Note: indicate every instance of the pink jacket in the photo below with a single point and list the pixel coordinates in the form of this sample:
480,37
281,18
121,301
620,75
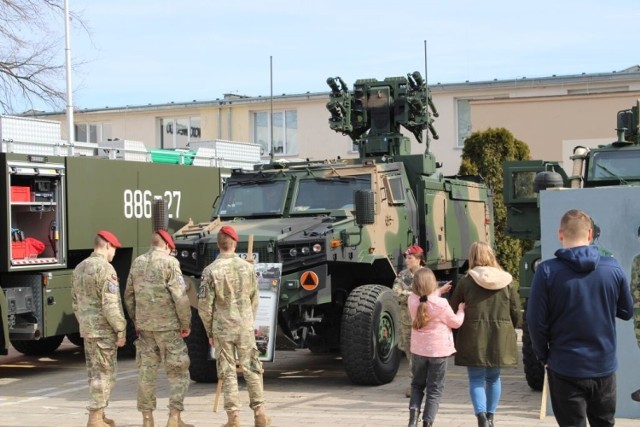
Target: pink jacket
435,339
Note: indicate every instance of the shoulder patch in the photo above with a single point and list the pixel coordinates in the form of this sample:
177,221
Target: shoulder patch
114,277
202,292
181,281
113,288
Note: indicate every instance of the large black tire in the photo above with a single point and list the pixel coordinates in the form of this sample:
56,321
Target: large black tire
368,341
533,369
40,347
76,339
202,368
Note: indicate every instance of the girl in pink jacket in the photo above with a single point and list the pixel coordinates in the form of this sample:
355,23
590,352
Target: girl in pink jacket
431,343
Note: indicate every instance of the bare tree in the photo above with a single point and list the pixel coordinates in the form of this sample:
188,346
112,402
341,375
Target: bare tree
32,54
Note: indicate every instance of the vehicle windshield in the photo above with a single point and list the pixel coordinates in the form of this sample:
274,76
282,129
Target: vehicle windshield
322,194
253,198
621,165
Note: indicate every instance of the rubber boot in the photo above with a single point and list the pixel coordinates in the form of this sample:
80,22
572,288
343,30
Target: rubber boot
490,419
233,420
174,419
482,419
108,420
414,414
95,418
260,418
147,419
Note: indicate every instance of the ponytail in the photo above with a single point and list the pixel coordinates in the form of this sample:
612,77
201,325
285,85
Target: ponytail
422,317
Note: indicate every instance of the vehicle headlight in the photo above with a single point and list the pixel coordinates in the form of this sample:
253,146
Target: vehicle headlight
305,250
184,253
194,255
317,248
535,265
293,252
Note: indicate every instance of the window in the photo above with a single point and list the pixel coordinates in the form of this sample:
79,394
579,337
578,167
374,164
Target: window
285,132
463,121
92,132
395,188
178,132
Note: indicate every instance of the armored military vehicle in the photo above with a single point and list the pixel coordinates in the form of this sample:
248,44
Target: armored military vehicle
56,199
339,227
612,165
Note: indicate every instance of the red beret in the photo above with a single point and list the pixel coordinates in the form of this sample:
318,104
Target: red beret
229,231
414,250
109,237
167,238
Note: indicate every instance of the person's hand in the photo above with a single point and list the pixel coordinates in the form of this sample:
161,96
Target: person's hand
445,288
211,343
137,332
121,342
185,332
461,306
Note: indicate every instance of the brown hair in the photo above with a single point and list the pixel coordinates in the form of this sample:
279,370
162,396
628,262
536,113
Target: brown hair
424,283
575,224
481,255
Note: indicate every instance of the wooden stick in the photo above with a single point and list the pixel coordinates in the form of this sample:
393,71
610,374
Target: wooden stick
250,250
545,393
217,399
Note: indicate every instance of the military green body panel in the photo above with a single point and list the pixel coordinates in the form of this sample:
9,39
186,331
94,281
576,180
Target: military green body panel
118,196
58,315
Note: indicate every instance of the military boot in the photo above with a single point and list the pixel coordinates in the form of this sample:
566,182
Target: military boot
147,419
174,419
95,418
260,418
108,420
413,417
233,420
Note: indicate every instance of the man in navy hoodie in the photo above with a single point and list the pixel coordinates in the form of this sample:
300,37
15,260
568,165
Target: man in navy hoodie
574,301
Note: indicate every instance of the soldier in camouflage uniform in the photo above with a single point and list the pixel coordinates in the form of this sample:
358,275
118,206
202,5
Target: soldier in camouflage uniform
413,259
635,290
156,300
227,304
97,306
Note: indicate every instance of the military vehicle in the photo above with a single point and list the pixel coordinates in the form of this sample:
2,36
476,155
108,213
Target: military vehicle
616,164
56,200
339,228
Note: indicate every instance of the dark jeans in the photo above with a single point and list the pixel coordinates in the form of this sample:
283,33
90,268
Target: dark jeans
428,373
574,400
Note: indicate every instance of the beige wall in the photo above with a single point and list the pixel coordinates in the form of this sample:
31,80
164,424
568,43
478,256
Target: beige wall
544,113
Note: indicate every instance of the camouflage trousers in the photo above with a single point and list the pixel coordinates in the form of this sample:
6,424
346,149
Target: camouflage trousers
636,310
100,356
404,335
243,345
161,347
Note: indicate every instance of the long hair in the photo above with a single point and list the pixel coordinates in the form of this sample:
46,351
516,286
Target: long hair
424,283
481,255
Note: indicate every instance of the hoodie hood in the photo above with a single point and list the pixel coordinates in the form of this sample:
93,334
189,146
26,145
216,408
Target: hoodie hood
581,259
491,278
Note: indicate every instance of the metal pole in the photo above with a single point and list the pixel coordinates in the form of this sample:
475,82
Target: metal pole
271,113
427,140
67,50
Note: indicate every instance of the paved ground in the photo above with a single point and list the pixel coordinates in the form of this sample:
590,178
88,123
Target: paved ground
301,389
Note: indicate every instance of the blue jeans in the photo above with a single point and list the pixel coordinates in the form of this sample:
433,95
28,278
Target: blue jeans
428,373
484,388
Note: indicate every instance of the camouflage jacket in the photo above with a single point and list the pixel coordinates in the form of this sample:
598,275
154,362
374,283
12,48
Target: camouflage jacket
155,295
95,297
228,295
402,286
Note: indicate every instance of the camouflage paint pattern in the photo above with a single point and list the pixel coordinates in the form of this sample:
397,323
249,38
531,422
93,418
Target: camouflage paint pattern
227,304
156,300
154,348
95,296
402,289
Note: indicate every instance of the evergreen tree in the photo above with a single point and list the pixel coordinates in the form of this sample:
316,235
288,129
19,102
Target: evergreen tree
483,154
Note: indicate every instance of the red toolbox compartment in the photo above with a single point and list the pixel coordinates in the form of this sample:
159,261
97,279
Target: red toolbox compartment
20,193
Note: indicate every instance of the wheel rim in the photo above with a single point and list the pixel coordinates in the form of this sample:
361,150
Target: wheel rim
386,334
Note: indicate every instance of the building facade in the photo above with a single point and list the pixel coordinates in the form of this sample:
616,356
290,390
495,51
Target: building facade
550,114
